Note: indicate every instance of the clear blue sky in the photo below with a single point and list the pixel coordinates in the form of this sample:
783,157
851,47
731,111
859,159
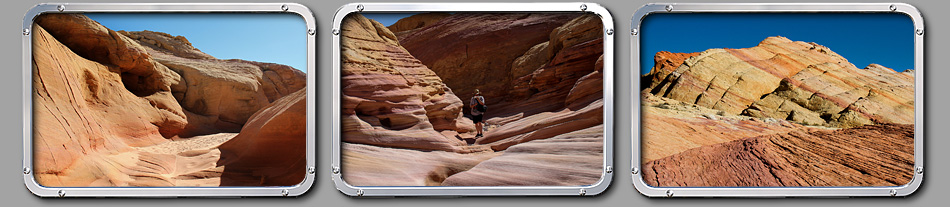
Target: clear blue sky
387,18
263,37
883,38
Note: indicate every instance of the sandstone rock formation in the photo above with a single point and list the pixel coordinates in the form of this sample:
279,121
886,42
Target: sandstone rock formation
874,155
257,155
391,99
449,48
108,111
782,79
782,113
412,23
403,125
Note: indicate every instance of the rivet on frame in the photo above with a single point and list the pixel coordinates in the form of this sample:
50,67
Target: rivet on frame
583,192
284,192
920,31
26,31
893,192
920,170
610,169
669,7
61,7
62,193
359,7
583,7
336,31
310,170
610,31
634,31
359,192
893,7
335,170
284,7
635,170
311,31
669,193
26,170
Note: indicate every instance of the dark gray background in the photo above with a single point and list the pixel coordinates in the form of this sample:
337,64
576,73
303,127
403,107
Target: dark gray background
621,193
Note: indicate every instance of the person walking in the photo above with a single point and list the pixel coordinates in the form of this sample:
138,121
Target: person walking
478,106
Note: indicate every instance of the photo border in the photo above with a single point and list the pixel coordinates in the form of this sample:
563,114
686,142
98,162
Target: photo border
901,8
587,190
43,191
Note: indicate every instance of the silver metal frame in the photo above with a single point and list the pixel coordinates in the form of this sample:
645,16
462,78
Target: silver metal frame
902,190
44,191
593,189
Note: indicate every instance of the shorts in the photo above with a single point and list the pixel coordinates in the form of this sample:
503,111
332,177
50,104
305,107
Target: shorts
477,118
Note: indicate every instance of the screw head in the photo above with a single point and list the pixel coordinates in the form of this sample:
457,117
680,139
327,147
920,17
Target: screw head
335,170
893,7
920,31
26,31
636,170
583,192
634,31
284,192
609,169
583,7
669,193
669,7
311,32
61,7
359,7
610,31
893,192
310,170
61,193
920,170
359,192
284,7
26,171
336,31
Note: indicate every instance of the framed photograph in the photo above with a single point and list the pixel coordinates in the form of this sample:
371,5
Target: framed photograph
472,99
776,100
167,100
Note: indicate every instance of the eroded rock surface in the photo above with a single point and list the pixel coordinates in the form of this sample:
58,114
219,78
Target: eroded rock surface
109,112
874,155
783,79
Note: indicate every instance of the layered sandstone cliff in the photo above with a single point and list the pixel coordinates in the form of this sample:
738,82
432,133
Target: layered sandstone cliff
783,79
782,113
403,125
108,111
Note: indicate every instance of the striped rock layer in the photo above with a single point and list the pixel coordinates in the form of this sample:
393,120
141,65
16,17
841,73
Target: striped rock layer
802,82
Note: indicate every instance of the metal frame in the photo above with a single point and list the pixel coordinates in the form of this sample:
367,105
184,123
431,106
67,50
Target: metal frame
902,190
594,189
44,191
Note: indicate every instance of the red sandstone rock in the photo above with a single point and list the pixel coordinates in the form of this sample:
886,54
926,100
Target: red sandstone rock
271,147
874,155
391,99
412,23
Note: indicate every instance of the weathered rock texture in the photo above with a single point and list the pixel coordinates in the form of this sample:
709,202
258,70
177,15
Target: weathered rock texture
403,126
412,23
803,82
391,99
874,155
108,112
478,51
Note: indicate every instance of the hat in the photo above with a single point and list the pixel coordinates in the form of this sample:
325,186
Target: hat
477,92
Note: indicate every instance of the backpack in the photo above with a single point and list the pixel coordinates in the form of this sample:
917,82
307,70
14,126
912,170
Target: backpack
480,106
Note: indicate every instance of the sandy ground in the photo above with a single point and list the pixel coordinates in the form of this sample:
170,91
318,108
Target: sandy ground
178,145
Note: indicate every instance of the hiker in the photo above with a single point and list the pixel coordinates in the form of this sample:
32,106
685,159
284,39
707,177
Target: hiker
477,104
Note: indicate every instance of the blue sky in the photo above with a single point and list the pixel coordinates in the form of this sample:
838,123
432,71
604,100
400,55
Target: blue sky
263,37
882,38
387,18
